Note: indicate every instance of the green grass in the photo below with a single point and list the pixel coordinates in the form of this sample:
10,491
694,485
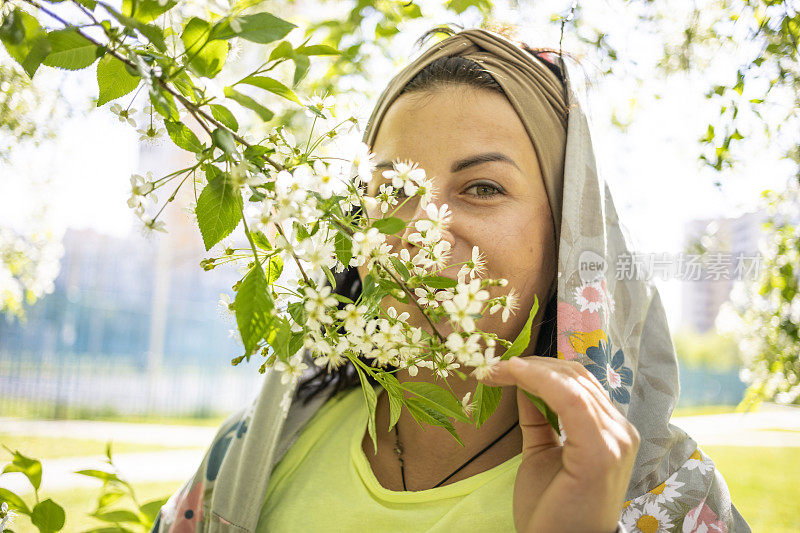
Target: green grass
55,447
38,409
763,484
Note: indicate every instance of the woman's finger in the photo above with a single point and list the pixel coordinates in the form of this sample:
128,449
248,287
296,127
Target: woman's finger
579,372
582,415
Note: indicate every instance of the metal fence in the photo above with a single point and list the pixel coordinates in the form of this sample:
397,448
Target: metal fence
82,387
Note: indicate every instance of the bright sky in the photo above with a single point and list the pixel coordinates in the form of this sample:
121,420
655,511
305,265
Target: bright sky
652,167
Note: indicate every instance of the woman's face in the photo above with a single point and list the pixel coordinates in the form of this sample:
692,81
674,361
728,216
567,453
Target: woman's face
474,147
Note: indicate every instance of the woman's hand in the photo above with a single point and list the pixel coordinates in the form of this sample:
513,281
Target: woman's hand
581,486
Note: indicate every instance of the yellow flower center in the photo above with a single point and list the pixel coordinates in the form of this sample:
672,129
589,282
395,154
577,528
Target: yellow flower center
659,489
647,524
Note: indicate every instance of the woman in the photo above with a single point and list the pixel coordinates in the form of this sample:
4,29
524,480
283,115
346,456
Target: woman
499,127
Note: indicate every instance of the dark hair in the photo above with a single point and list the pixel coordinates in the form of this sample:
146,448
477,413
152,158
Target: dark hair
442,72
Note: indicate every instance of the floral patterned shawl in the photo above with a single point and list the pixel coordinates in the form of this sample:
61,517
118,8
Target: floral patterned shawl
609,318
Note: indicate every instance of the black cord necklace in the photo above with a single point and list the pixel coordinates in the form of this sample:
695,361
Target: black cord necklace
399,450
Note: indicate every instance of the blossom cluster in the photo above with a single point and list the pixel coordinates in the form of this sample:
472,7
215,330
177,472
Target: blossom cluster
318,212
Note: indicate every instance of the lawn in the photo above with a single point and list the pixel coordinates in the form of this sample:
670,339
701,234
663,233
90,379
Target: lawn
40,410
57,447
763,483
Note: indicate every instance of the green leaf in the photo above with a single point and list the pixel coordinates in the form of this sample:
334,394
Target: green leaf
439,282
274,268
395,406
117,515
183,137
12,30
298,312
99,474
113,80
459,6
344,248
14,501
25,40
253,305
395,394
317,50
260,28
164,104
282,49
423,413
301,64
437,398
224,116
245,101
486,401
31,468
107,498
223,139
151,508
219,207
524,338
329,275
400,267
549,414
261,240
39,49
152,33
204,56
390,225
372,402
273,86
70,51
145,10
48,516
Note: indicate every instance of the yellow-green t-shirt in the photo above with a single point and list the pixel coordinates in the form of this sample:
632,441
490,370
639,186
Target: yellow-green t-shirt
324,482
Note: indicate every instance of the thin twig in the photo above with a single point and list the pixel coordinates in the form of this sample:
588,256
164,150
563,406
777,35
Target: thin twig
296,259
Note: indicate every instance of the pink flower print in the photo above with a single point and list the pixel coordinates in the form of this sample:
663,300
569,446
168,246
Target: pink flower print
590,296
576,330
190,511
703,519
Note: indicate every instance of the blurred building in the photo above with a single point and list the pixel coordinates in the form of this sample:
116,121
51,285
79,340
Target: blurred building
737,241
133,325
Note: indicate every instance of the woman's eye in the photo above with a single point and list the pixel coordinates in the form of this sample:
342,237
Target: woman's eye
485,190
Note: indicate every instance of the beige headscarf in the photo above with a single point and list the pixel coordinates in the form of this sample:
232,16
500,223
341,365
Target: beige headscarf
534,91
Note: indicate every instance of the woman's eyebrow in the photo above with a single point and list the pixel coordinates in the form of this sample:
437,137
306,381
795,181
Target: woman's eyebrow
464,163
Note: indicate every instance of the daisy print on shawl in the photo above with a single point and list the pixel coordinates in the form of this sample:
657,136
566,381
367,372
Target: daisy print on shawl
649,518
610,371
696,461
667,491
